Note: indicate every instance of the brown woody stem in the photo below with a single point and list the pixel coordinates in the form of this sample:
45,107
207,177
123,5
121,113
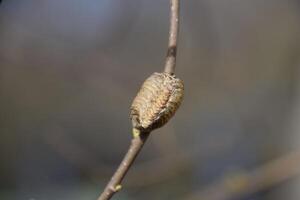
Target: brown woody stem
173,35
114,184
139,139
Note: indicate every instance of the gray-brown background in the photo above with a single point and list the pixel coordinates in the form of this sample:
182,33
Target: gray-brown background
69,70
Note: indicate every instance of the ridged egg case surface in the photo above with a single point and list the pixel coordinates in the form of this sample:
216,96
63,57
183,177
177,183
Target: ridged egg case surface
157,101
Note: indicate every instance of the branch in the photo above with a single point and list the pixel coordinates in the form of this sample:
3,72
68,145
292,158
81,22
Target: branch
173,35
114,184
140,137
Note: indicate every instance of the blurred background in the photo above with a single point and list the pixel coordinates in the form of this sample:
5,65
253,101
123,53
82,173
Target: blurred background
69,70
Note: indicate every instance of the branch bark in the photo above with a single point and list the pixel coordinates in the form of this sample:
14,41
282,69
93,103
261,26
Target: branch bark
140,138
114,184
173,35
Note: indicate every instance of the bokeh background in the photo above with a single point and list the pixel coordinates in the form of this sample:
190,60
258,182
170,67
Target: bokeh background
69,70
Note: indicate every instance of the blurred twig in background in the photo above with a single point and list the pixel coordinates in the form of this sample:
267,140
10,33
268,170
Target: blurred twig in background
242,184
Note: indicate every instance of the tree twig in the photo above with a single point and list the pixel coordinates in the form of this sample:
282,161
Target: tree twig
114,184
173,35
140,138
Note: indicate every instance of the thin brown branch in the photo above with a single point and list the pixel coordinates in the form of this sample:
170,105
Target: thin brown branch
173,35
139,139
114,184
